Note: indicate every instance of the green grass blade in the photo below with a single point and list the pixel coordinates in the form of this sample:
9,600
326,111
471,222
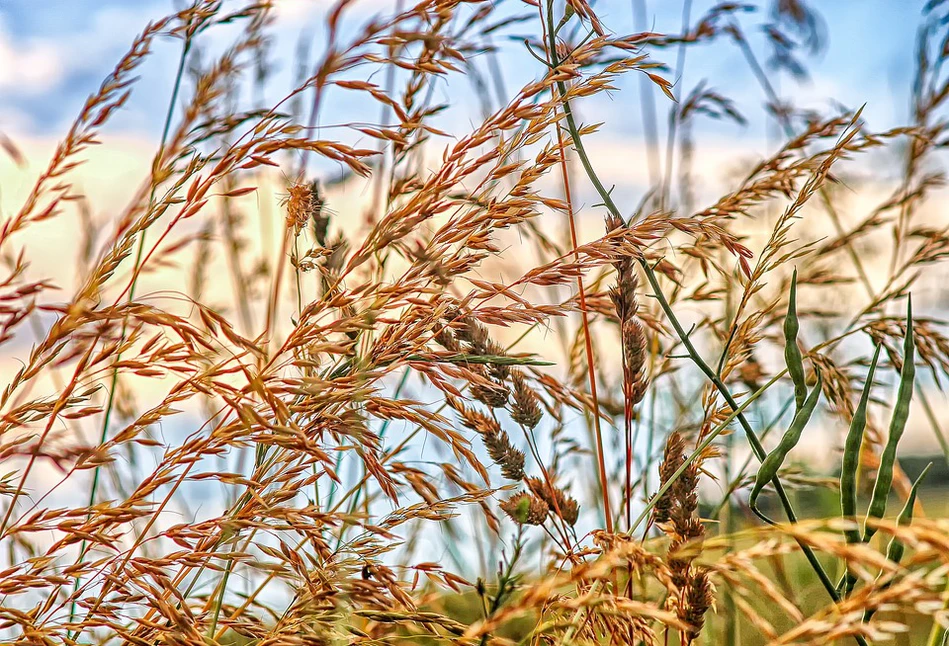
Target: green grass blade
896,548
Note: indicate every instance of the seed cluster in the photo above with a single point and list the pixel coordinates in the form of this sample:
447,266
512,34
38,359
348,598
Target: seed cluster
381,409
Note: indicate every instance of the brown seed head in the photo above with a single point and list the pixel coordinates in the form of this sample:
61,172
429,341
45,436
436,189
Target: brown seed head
673,457
525,509
303,204
493,395
632,335
496,441
558,501
525,408
697,599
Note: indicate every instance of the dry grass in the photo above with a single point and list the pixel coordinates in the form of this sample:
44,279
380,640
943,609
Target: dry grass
360,395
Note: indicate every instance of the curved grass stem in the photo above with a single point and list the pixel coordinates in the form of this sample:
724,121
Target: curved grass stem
587,341
696,358
114,377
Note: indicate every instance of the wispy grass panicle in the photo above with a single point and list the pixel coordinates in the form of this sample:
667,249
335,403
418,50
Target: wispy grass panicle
255,419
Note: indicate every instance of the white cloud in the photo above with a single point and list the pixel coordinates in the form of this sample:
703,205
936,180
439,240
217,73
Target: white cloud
28,67
41,62
294,13
109,34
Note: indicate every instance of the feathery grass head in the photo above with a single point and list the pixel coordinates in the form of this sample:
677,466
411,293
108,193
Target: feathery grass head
275,420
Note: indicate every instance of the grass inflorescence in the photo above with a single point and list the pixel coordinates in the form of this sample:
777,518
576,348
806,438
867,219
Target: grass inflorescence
400,380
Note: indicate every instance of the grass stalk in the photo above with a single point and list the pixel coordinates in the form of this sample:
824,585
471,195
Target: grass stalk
587,341
686,341
140,248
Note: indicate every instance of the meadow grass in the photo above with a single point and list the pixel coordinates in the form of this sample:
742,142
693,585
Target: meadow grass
449,410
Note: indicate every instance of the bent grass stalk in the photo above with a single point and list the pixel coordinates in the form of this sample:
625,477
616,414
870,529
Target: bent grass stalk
587,340
683,336
114,379
703,445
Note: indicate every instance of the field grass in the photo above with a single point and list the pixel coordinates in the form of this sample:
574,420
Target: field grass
424,378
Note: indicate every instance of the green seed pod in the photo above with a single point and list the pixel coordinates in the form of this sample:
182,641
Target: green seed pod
770,465
881,489
894,552
792,353
848,470
851,458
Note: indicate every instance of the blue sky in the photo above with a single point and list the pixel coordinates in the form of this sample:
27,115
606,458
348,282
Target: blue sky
61,49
